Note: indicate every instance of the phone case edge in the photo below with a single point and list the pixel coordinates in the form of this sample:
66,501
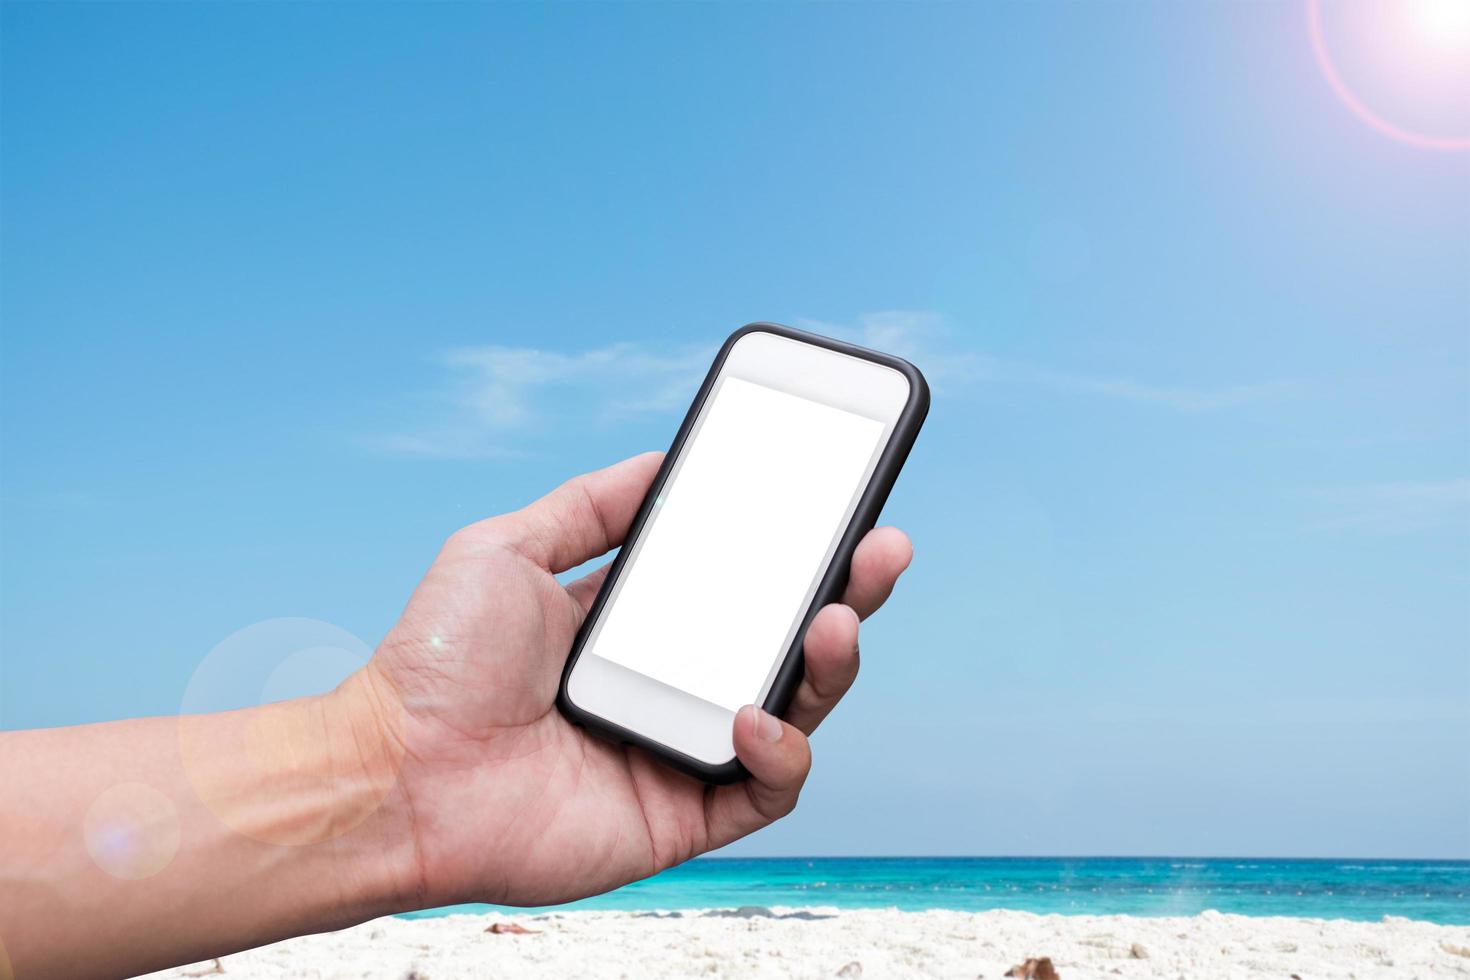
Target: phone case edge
864,517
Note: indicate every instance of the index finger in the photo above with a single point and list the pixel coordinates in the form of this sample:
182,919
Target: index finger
585,517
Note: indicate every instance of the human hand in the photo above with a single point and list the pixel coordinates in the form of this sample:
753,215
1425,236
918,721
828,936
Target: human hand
440,772
507,801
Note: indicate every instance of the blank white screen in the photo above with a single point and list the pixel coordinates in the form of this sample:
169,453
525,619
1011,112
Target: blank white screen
736,541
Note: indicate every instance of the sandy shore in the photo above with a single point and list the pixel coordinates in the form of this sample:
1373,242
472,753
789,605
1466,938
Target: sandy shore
885,943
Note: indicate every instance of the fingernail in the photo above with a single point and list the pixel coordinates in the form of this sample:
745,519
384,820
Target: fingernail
767,728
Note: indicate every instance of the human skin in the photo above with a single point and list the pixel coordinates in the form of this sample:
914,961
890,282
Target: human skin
440,772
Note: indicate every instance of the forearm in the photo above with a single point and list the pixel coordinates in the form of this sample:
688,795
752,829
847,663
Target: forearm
134,845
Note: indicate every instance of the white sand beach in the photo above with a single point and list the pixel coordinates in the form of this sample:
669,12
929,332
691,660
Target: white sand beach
816,942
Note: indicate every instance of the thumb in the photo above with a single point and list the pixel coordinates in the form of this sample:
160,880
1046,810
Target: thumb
778,758
585,517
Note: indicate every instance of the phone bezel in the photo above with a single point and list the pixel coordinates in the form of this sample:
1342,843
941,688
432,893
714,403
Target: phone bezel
665,714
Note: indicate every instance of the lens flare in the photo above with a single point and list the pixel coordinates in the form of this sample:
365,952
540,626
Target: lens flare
1441,29
132,831
1443,23
330,761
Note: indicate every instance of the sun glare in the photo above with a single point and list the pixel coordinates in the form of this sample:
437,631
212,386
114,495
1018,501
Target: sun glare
1437,33
1444,23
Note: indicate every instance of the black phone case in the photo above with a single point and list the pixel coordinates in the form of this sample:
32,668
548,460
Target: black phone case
834,580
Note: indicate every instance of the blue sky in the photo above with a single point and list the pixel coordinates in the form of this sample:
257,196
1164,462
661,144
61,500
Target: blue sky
292,291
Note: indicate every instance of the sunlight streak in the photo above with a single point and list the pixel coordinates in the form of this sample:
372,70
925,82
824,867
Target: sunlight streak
1443,24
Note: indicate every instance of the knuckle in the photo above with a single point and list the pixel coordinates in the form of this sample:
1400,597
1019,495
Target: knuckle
476,538
461,540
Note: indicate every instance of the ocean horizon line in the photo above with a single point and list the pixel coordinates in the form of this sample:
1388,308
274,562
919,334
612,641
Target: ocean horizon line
1080,857
1363,889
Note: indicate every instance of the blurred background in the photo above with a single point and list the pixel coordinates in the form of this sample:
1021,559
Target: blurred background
291,291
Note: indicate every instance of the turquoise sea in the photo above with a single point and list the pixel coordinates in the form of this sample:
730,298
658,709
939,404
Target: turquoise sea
1437,891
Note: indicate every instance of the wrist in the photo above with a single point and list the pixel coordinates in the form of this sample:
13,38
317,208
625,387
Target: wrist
316,781
377,854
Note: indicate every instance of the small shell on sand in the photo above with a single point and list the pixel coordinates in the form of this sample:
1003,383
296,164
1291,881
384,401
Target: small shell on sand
1035,968
511,929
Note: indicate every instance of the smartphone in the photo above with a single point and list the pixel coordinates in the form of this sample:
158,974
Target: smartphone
780,467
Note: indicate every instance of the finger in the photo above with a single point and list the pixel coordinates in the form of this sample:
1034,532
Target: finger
778,758
585,517
880,558
831,650
584,589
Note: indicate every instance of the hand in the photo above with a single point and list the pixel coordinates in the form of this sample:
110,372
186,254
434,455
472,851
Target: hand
510,803
441,772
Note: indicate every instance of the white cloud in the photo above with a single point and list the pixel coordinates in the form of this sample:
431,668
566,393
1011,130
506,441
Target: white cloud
924,338
494,396
928,340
